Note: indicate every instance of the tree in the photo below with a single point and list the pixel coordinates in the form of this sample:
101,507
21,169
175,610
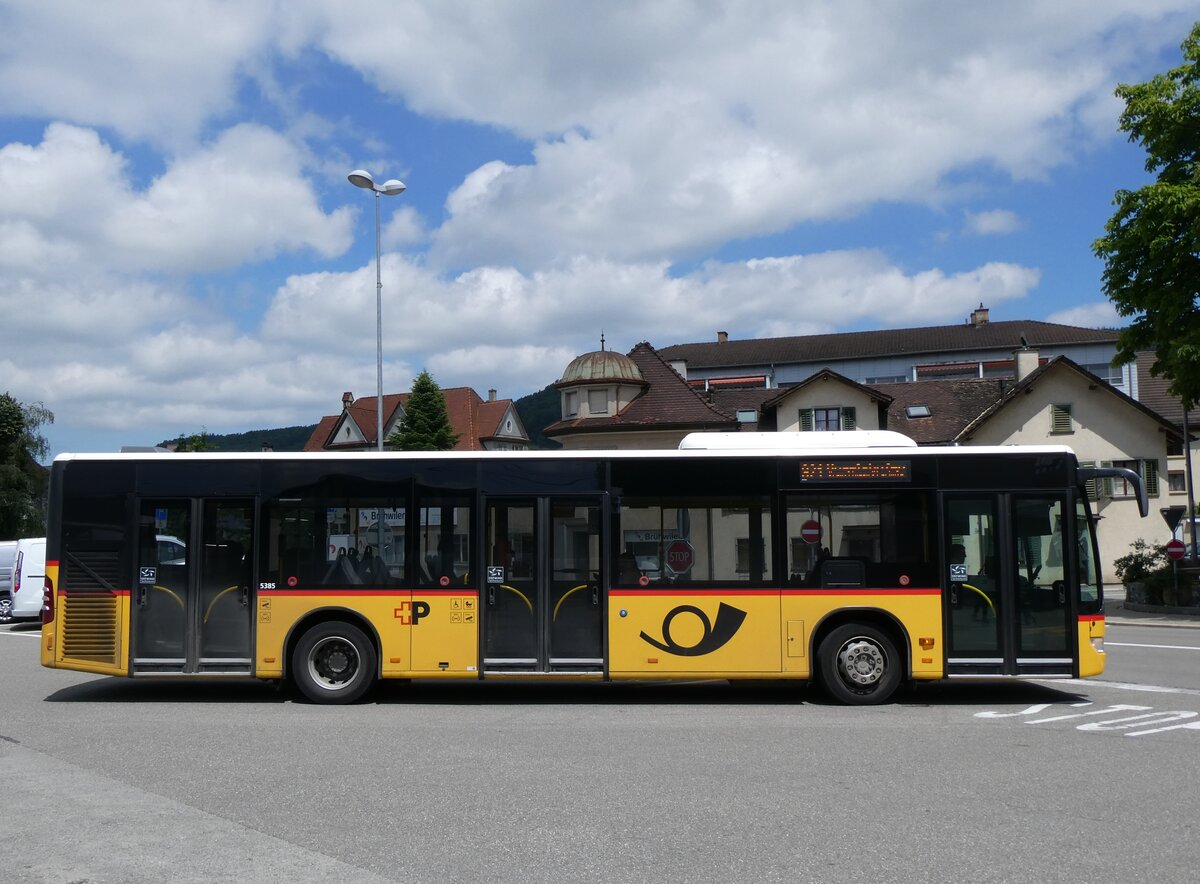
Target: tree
195,442
22,479
425,425
1151,248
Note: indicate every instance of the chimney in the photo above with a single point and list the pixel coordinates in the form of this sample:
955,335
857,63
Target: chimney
722,337
347,399
491,395
1026,362
979,316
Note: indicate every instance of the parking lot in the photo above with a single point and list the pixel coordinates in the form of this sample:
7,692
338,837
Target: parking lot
119,780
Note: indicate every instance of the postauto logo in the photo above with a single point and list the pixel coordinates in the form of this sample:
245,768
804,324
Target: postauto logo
715,635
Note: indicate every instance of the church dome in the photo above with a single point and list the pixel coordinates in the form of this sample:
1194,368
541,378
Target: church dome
599,366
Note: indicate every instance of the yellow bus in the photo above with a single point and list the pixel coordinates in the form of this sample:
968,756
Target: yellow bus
856,560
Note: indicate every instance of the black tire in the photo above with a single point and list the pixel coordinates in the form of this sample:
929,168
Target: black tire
334,663
858,665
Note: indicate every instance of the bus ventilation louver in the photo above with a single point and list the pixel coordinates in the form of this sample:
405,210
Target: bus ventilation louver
89,628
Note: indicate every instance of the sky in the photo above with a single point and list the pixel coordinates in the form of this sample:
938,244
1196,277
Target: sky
181,250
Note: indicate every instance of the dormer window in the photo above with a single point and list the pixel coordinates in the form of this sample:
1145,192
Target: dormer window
571,404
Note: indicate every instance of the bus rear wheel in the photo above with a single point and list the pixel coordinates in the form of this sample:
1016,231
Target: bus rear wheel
334,663
859,665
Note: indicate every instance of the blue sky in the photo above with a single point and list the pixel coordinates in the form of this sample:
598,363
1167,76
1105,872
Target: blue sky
180,248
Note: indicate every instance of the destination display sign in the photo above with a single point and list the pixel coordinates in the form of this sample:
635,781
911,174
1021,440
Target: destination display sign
862,470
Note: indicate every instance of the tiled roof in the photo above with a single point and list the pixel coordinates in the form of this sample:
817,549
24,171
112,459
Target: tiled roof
471,417
952,406
321,433
884,342
667,403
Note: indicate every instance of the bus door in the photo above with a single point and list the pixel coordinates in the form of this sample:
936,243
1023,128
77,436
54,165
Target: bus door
192,603
541,594
1010,567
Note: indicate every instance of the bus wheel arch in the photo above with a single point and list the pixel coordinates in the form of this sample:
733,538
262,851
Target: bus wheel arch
861,657
333,657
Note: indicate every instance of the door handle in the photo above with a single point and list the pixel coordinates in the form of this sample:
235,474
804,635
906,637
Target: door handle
141,596
244,594
491,596
596,594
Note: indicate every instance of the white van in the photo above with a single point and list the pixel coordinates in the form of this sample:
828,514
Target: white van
8,553
29,578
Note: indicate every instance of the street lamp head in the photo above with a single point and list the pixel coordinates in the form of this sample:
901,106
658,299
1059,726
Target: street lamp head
362,178
392,187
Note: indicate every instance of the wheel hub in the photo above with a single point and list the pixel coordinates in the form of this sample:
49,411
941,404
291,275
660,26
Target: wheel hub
862,662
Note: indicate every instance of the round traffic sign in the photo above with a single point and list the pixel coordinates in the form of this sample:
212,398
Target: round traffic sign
1176,549
810,531
680,557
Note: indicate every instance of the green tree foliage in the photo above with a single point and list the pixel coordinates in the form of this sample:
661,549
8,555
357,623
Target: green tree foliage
195,442
538,411
425,425
1151,247
22,479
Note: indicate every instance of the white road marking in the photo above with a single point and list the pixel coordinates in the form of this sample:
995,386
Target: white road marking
1122,686
1109,644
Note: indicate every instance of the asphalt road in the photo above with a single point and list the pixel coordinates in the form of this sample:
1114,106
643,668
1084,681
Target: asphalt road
107,780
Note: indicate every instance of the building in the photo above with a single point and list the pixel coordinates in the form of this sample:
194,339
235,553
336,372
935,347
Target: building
642,401
482,425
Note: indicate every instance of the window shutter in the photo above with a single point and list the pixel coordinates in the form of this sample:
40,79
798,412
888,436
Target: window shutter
1150,475
1106,484
848,417
1060,419
1093,490
806,420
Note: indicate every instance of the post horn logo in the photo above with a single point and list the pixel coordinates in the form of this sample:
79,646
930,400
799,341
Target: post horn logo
729,619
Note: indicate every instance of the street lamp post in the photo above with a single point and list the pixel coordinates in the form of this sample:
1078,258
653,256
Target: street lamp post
363,179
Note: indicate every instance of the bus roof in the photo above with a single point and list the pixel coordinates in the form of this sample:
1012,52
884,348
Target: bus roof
868,443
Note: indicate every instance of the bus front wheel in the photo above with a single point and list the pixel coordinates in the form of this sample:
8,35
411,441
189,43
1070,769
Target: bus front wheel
333,663
859,665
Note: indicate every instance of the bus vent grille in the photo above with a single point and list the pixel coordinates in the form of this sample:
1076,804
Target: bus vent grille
89,628
85,570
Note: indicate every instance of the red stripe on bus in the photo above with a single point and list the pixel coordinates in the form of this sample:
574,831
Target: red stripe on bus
694,592
341,593
760,592
1090,618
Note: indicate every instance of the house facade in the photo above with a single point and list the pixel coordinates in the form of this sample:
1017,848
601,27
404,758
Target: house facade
1042,400
482,425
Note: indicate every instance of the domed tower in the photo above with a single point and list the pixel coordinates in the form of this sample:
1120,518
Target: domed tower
599,384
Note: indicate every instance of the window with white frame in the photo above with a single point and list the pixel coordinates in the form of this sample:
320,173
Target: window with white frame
1177,482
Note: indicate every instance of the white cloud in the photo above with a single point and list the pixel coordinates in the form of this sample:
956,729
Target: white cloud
992,223
1098,314
242,198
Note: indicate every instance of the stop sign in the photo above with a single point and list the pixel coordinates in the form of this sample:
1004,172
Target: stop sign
680,557
810,531
1176,549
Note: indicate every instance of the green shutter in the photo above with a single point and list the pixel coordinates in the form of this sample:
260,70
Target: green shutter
1060,419
806,420
848,417
1093,491
1150,475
